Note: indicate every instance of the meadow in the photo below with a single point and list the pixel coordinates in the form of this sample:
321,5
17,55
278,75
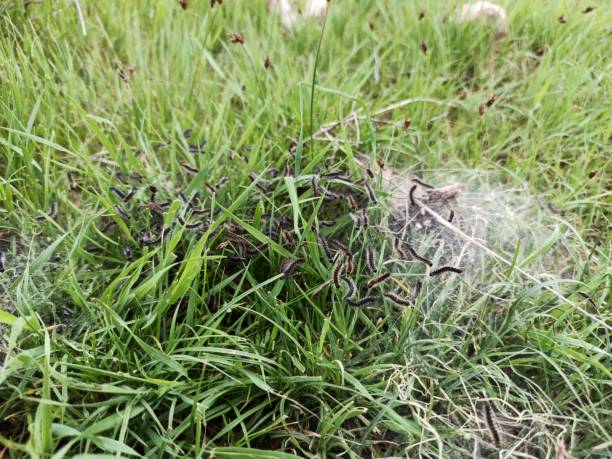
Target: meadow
180,188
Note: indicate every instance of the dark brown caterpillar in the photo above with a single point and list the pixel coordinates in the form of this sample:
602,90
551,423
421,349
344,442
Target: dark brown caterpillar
258,183
419,257
222,182
153,191
72,184
350,199
53,210
370,260
189,225
350,264
366,301
330,195
445,269
397,247
423,184
371,194
286,236
210,188
360,219
423,47
185,200
337,273
129,195
122,212
339,245
108,226
411,194
326,249
351,288
589,299
376,281
451,216
370,173
365,219
398,299
331,175
120,194
188,167
492,426
315,188
288,265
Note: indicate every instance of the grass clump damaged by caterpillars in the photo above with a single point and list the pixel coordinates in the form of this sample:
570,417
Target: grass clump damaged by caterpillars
209,249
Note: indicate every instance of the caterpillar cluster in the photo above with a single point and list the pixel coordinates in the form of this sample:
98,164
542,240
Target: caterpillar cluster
137,219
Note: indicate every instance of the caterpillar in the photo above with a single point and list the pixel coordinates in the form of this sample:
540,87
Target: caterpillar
376,281
444,269
120,194
419,257
423,184
210,188
370,192
397,246
350,264
153,191
188,167
53,210
73,185
492,426
365,219
339,245
451,216
288,265
370,259
350,286
108,226
331,175
255,250
411,194
189,225
197,148
122,212
315,188
366,301
129,195
370,173
337,273
185,200
352,203
325,246
330,195
397,299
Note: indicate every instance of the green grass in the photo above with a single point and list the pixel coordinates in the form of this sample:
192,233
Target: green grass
104,355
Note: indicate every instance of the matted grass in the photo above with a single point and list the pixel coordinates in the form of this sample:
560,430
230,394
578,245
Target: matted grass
178,351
